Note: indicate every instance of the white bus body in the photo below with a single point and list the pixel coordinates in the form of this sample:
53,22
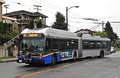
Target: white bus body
58,45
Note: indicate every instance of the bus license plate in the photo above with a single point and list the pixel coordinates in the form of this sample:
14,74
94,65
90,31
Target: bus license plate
20,61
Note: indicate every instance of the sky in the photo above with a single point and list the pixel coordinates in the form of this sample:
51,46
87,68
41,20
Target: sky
103,10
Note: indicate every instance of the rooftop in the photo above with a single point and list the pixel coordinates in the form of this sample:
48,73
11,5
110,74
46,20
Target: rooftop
8,18
2,1
26,13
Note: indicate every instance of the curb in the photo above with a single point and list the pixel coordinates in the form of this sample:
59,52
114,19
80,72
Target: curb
8,60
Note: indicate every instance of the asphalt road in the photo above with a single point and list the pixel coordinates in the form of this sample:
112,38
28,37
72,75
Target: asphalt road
108,67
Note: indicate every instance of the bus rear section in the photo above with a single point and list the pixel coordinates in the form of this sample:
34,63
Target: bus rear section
94,46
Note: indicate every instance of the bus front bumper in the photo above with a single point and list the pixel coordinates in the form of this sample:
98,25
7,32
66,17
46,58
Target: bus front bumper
28,61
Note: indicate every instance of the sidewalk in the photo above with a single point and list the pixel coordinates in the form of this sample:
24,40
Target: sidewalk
8,60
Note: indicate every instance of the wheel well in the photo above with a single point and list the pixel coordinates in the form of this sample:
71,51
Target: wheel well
75,53
55,55
101,54
101,51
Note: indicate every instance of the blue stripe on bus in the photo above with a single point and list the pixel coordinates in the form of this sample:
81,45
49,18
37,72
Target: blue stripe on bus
48,59
58,57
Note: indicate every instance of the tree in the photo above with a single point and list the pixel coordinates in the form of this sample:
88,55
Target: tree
110,34
31,24
102,34
6,32
39,24
118,43
1,28
60,22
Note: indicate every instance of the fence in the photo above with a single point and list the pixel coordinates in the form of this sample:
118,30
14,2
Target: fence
12,51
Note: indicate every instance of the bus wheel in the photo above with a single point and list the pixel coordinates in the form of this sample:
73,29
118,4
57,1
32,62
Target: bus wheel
75,57
101,54
53,60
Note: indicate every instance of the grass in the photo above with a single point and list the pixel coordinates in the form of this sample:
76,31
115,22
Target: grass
2,58
117,49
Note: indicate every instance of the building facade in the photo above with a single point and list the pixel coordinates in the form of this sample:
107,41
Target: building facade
23,18
1,2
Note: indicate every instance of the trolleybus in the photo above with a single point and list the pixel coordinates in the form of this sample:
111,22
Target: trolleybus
49,46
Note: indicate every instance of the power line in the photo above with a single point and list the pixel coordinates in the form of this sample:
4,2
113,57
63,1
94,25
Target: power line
46,4
19,3
55,7
51,6
94,27
27,5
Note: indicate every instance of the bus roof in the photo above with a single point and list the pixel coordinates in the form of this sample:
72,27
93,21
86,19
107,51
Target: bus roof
91,37
51,32
57,33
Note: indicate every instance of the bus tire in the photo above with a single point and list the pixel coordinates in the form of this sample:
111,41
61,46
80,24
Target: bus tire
53,60
75,57
101,54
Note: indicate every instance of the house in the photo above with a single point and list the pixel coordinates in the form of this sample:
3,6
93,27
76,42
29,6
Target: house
8,19
1,3
23,18
5,19
85,31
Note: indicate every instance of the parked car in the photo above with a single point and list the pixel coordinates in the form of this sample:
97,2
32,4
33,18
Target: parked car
113,50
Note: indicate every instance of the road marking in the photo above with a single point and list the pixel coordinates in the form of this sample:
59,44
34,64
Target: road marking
39,72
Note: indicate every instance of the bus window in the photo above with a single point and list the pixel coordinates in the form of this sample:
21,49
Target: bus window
62,44
92,44
109,45
99,44
55,44
48,44
68,44
85,44
74,44
105,45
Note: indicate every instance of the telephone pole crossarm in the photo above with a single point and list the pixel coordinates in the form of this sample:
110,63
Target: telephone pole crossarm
37,7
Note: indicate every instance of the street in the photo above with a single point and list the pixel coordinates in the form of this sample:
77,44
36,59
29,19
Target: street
107,67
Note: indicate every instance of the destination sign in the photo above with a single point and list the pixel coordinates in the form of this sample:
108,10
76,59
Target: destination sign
33,35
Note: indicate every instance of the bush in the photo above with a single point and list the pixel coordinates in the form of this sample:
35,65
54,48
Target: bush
6,32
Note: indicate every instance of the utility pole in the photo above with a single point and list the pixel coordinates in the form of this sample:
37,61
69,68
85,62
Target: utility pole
1,3
67,14
6,6
37,7
102,26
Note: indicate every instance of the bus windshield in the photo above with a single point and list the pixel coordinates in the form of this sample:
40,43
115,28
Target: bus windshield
32,44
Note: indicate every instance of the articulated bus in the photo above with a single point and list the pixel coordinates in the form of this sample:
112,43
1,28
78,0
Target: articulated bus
49,46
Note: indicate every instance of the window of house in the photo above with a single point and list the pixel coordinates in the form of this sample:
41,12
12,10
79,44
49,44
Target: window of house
26,17
19,17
